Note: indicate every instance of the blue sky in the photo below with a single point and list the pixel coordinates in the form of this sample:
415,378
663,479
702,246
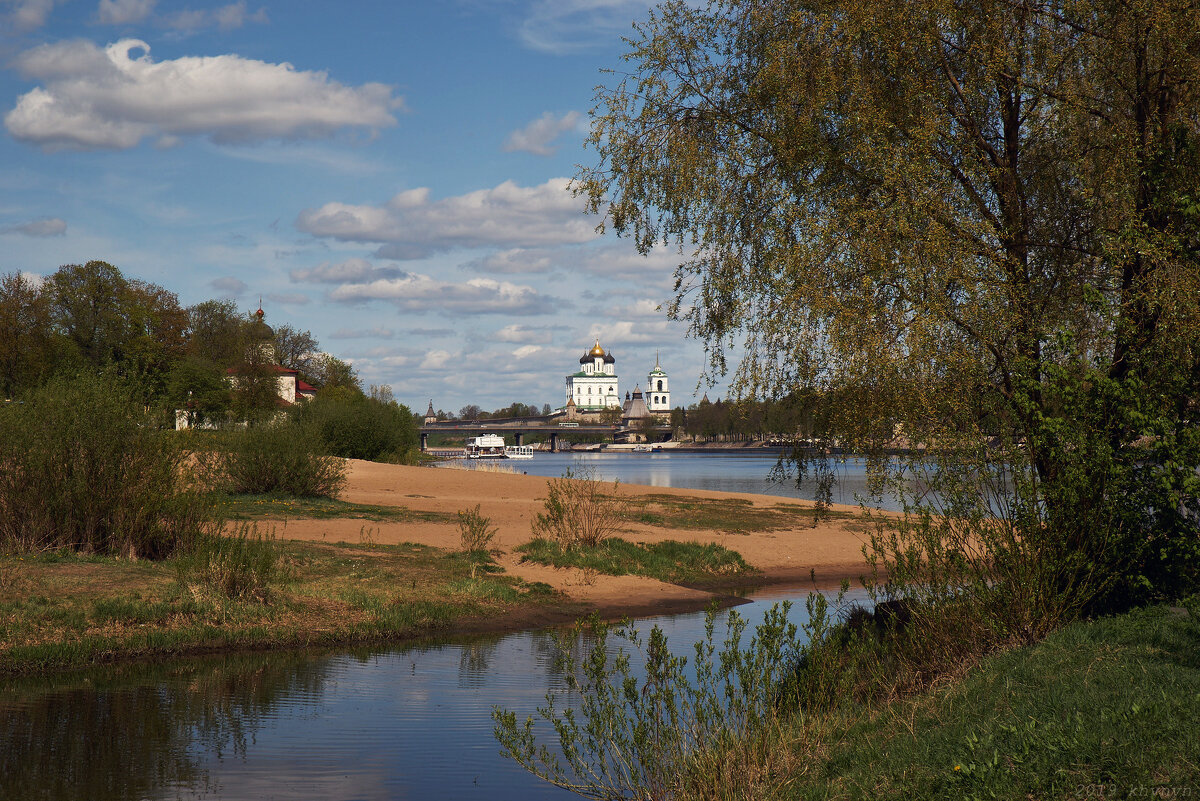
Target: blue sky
388,175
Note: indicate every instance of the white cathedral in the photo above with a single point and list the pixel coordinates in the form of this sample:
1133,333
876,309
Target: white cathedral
595,386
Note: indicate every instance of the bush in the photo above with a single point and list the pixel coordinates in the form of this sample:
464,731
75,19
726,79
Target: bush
355,427
274,458
82,468
578,512
474,530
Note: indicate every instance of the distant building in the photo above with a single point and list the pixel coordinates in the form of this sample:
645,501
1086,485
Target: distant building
430,414
658,389
595,386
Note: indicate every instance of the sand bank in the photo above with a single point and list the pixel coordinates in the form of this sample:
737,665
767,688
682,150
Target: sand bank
832,550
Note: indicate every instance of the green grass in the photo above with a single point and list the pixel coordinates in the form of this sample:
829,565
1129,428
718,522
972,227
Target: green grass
690,563
63,612
734,515
259,507
1107,709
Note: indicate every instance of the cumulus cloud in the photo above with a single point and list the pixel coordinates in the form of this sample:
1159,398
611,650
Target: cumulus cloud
115,97
512,260
507,215
229,285
123,12
27,15
628,331
415,292
50,226
351,271
538,136
524,335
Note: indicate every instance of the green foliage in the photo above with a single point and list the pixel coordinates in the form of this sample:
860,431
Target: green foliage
273,458
578,513
475,531
240,566
1097,710
355,427
646,729
670,560
82,468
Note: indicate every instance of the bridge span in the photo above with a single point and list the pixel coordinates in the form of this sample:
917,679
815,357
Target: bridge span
519,427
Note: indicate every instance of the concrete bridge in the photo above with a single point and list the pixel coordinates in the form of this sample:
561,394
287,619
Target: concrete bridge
520,426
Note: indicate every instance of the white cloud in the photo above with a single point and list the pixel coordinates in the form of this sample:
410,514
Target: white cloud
520,334
229,285
512,260
351,271
415,292
106,98
376,332
567,26
123,12
507,215
436,360
642,309
27,15
526,350
227,18
626,331
51,226
538,136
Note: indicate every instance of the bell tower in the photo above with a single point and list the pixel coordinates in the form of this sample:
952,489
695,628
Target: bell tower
658,389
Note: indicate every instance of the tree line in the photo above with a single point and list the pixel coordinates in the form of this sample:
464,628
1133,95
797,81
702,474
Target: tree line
93,318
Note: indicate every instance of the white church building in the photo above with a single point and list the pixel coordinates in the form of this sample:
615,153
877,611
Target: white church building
595,387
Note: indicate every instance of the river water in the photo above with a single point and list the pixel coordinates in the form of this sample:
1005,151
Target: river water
411,722
729,471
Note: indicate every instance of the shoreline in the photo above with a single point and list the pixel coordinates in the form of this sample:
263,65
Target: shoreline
357,556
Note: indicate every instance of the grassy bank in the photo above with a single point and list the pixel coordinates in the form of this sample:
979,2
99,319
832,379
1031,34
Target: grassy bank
689,563
62,611
1106,709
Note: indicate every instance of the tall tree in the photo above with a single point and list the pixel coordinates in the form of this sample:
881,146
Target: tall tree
26,348
943,212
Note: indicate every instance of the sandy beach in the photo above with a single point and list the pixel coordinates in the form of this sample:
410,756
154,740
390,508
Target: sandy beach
831,550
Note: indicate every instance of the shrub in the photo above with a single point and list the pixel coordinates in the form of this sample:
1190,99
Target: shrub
274,458
474,530
578,512
355,427
82,468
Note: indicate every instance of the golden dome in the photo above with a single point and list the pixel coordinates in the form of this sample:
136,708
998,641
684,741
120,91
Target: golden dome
597,350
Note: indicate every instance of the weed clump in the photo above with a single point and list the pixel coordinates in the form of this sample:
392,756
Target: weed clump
240,567
475,532
578,511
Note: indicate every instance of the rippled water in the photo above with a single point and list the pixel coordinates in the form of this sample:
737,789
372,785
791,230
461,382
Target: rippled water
409,722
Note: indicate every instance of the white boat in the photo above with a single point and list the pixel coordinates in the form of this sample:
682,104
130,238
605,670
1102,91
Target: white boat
491,446
488,446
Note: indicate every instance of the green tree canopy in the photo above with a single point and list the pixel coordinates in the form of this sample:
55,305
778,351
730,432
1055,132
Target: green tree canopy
967,218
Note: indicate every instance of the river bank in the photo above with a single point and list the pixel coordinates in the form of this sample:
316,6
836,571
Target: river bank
386,567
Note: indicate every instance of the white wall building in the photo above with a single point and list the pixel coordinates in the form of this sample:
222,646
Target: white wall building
595,386
658,389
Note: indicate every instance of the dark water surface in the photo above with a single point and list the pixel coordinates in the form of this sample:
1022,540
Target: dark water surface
409,722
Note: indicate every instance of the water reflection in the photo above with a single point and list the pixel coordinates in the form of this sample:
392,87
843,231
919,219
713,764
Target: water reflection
411,722
126,734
